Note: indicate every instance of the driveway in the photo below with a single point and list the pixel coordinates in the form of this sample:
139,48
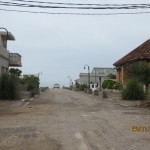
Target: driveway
68,120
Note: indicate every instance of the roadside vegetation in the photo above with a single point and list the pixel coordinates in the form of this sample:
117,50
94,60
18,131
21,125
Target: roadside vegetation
9,87
133,90
111,84
11,84
138,76
31,81
81,87
15,72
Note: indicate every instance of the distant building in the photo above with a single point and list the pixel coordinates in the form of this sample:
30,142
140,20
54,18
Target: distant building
97,76
141,53
76,81
7,59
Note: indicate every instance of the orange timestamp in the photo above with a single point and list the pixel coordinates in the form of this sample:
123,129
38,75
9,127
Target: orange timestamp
140,128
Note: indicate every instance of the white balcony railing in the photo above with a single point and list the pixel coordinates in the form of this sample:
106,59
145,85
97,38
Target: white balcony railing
15,60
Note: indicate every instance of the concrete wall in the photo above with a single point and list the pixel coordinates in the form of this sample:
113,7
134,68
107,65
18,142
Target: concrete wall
104,71
83,78
4,59
1,42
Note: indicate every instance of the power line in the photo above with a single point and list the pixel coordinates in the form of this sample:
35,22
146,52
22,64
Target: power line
29,1
70,7
85,14
28,4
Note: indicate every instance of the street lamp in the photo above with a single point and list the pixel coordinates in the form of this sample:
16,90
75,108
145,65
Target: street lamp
6,36
88,74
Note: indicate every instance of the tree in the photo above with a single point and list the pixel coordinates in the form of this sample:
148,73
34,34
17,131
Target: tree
112,76
31,81
15,71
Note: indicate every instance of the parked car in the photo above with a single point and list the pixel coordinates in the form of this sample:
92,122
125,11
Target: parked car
56,86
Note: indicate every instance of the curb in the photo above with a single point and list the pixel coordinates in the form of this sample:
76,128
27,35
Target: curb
28,100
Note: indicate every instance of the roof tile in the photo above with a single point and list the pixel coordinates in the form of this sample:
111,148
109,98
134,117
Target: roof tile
141,52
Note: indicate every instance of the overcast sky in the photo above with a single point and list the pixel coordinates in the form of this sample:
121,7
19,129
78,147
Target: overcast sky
60,45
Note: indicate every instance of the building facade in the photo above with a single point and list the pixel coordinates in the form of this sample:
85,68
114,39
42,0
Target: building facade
97,76
7,59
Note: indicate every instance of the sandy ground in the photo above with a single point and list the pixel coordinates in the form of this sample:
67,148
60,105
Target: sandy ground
68,120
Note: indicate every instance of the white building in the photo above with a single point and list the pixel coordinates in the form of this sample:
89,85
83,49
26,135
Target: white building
7,59
97,76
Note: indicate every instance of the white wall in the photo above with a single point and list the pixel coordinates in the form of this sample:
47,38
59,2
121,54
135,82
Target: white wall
4,58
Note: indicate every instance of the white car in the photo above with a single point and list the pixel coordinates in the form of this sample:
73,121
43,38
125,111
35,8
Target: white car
56,86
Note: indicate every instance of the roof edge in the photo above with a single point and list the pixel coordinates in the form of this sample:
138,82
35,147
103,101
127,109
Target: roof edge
10,35
119,63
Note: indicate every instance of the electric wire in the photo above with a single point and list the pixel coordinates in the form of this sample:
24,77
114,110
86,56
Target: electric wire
29,1
76,7
65,6
85,14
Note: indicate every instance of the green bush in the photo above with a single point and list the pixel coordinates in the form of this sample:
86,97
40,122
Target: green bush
31,81
9,87
77,85
112,76
82,87
110,84
133,91
117,86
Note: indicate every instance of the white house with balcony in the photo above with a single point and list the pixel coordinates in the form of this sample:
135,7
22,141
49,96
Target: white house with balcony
7,59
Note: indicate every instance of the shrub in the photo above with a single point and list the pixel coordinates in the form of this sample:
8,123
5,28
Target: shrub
117,86
9,87
140,70
110,84
112,76
31,81
133,91
82,87
77,85
15,71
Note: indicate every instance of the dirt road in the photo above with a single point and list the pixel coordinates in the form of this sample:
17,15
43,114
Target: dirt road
67,120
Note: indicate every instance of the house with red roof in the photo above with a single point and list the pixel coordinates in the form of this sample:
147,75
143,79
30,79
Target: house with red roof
141,53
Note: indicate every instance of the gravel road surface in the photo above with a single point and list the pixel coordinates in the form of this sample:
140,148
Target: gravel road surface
67,120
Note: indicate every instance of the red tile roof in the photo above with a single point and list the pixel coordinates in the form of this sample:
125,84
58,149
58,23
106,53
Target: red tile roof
141,52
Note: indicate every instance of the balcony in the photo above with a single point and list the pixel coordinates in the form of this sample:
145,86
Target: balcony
15,60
